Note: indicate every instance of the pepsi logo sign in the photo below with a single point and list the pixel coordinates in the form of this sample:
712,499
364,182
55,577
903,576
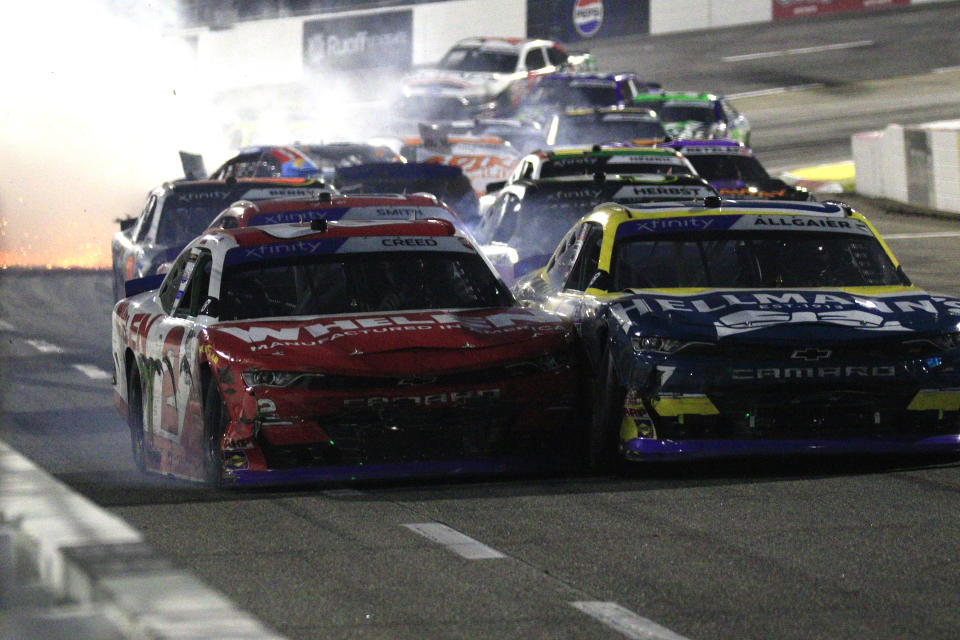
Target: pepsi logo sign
587,17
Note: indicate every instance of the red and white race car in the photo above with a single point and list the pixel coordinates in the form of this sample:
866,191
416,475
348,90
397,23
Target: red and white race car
336,350
477,71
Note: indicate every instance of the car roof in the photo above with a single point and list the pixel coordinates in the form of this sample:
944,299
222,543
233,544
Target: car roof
245,211
285,233
495,42
588,151
239,183
614,215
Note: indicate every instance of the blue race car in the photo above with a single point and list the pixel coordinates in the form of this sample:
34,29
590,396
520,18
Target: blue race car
735,328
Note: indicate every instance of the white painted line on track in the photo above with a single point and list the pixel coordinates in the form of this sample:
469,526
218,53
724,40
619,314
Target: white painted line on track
92,372
6,326
911,236
777,90
626,622
460,544
799,51
44,347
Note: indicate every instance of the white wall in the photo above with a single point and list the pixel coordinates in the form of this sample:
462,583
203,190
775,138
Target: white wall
668,16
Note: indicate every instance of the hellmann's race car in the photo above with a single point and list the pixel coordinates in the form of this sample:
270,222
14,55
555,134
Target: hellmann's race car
735,328
337,350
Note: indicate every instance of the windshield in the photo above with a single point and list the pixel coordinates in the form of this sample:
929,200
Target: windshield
589,130
683,112
724,167
358,283
181,222
751,259
584,95
477,59
621,165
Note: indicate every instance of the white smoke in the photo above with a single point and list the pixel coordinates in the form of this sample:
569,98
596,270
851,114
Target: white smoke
95,106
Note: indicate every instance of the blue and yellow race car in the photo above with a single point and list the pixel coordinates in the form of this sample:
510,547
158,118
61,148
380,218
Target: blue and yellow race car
724,328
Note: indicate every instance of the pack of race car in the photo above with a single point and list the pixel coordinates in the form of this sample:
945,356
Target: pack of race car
558,267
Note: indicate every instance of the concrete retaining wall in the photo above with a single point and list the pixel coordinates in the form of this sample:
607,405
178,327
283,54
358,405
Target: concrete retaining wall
917,165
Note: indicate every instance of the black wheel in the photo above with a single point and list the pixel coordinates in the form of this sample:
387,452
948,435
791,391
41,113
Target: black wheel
214,423
135,417
602,451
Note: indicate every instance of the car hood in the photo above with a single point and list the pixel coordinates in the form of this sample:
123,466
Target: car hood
785,315
400,342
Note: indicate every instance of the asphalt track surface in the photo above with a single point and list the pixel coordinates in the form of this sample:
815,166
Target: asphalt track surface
780,548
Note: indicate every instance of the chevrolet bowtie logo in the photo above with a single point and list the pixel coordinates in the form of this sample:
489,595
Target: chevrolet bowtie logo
811,355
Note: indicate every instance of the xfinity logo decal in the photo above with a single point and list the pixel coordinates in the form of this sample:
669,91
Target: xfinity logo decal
280,250
675,224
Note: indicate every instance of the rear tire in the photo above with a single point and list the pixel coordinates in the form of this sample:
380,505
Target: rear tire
135,417
602,452
214,424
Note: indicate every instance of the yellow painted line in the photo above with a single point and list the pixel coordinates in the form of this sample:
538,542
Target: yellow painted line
836,172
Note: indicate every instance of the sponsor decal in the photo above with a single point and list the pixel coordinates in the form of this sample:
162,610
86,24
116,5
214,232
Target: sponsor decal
442,399
358,42
766,309
319,333
194,196
646,159
576,194
798,8
661,191
285,192
409,242
803,373
587,17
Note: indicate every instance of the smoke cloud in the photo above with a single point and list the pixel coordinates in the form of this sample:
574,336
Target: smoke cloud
95,106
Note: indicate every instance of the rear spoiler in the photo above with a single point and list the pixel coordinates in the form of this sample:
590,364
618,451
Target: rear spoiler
192,164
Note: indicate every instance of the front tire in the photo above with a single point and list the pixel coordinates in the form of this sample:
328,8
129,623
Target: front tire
603,435
135,417
214,423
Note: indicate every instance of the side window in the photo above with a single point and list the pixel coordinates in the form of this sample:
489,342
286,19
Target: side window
561,264
508,218
195,291
171,284
534,59
728,111
627,90
146,219
556,56
588,259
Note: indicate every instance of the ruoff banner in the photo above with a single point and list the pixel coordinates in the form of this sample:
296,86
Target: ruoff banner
800,8
378,40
